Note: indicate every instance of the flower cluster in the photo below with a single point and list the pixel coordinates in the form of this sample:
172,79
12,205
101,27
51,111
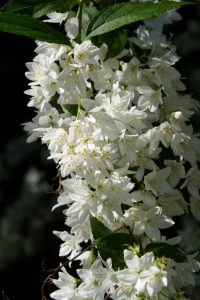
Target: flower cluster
119,130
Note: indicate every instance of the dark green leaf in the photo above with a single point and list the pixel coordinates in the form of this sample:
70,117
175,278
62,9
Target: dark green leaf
54,103
166,250
99,230
113,245
115,241
25,25
42,9
118,15
105,3
17,6
115,41
116,256
37,1
72,108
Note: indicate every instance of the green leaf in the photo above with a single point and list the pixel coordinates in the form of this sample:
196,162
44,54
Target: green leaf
115,41
99,230
54,103
166,250
116,256
25,25
118,15
105,3
39,8
36,1
42,9
72,108
113,245
115,241
17,6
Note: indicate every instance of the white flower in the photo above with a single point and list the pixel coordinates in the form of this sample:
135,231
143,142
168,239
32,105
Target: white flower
56,138
112,192
49,83
126,146
143,38
66,286
70,246
142,273
192,182
144,196
106,126
148,221
181,146
71,86
144,161
173,204
55,17
182,103
115,153
185,271
86,53
50,52
71,25
135,266
151,281
96,282
36,71
39,97
106,78
167,18
177,171
156,181
130,71
166,133
150,99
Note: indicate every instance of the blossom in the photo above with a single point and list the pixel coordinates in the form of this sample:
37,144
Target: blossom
86,53
95,281
148,221
145,196
70,245
153,280
55,17
177,171
156,182
143,274
149,99
66,285
181,146
192,181
118,131
135,266
173,204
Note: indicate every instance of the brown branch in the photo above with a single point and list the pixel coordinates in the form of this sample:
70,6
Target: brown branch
50,277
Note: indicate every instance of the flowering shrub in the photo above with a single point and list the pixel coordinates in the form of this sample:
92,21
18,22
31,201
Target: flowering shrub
115,116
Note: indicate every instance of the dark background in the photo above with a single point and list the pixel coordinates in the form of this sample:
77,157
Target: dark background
27,244
27,178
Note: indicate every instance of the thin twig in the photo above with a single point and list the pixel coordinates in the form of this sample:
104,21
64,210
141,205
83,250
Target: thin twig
50,277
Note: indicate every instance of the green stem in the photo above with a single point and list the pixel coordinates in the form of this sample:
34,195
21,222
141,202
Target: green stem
80,12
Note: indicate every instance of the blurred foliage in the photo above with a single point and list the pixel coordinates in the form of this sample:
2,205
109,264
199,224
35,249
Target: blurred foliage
26,221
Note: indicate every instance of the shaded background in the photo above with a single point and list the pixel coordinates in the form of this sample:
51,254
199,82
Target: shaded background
26,184
27,177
